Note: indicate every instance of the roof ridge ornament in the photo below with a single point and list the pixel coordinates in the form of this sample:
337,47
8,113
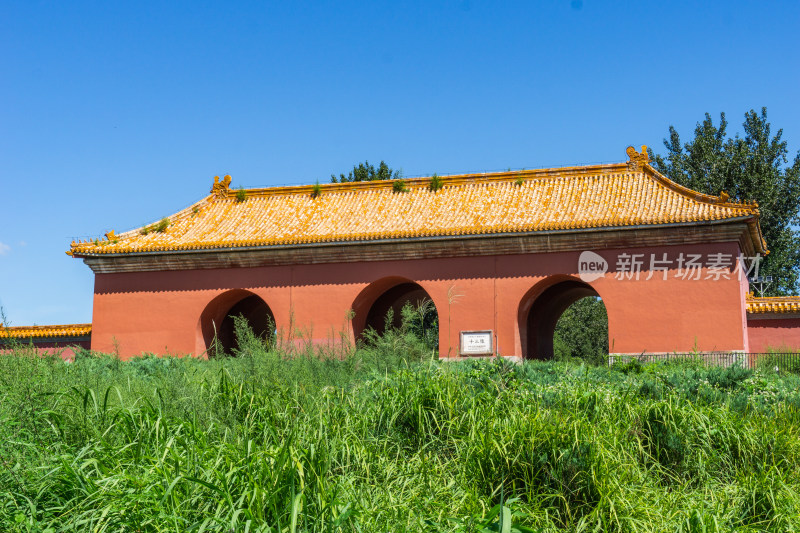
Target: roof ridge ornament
220,189
636,160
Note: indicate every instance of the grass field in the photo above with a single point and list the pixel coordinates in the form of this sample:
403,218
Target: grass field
384,439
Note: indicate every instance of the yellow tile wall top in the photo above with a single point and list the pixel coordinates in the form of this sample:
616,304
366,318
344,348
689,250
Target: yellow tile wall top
65,330
773,304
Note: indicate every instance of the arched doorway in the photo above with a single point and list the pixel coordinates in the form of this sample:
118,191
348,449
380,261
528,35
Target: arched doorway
386,299
582,332
218,320
545,304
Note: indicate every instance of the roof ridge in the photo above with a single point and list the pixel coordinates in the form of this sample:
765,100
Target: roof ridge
723,200
451,179
791,298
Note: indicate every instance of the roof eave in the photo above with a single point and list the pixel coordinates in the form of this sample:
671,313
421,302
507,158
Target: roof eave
435,238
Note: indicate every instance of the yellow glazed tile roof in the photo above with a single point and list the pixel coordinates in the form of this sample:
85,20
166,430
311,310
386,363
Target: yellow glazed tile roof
599,196
25,332
773,304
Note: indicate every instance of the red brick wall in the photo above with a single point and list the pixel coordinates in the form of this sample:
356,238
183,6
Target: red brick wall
161,312
767,332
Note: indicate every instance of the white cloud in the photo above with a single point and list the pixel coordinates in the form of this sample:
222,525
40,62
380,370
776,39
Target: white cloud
4,248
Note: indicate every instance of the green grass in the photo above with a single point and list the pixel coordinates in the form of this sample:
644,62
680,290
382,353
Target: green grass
158,227
381,438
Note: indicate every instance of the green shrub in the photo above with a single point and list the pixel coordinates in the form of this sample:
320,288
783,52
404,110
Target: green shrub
158,227
436,183
241,194
652,389
582,332
728,378
630,366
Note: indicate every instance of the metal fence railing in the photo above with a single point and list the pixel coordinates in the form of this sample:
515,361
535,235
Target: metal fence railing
778,361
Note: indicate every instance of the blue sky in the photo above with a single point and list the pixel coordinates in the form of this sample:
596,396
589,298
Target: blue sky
114,115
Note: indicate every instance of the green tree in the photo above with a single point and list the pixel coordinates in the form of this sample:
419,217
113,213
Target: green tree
366,172
753,167
582,332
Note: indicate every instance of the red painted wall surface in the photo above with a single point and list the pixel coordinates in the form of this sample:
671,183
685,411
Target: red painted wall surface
775,333
66,350
162,312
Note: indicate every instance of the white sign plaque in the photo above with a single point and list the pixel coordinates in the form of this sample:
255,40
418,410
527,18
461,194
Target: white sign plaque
476,342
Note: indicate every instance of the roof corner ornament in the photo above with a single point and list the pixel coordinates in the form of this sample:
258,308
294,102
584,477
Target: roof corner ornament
724,197
220,188
110,235
637,160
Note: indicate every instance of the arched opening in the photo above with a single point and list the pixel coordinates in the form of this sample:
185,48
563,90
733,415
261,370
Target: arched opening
381,306
218,320
582,332
542,310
